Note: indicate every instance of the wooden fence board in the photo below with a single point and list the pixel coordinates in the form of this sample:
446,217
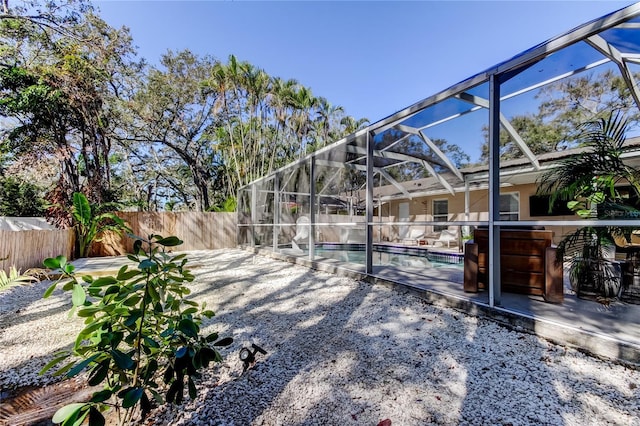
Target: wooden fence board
198,230
27,249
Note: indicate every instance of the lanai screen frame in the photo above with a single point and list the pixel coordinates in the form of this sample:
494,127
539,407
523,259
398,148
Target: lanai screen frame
362,143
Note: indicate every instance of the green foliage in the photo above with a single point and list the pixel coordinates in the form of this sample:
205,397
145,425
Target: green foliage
142,338
13,278
228,205
89,224
587,182
20,199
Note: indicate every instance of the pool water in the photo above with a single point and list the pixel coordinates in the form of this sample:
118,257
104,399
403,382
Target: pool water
381,258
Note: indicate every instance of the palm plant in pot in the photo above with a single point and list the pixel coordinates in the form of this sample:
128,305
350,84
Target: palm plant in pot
589,182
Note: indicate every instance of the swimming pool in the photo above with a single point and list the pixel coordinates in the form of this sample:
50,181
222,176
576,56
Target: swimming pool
392,256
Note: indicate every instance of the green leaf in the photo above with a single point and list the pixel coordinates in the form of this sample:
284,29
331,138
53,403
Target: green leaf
188,327
132,300
50,290
122,360
89,311
81,208
168,374
211,337
147,264
52,263
150,370
133,317
78,296
193,393
169,241
64,369
114,289
153,292
99,373
53,362
131,397
190,311
101,396
151,343
224,342
104,281
67,411
82,365
124,275
208,313
182,351
87,279
95,417
175,389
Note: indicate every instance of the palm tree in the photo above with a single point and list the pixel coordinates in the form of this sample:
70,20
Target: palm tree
588,183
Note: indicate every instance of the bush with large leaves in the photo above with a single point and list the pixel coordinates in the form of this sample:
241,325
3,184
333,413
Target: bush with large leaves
89,223
142,338
589,182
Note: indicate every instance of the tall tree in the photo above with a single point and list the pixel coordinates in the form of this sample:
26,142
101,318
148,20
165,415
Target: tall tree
173,112
59,69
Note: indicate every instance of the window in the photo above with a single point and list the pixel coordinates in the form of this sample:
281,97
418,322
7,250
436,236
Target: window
510,206
539,206
440,214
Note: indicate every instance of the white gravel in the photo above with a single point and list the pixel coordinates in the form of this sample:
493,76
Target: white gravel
343,352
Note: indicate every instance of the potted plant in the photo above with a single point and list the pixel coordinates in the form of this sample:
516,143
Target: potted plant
589,183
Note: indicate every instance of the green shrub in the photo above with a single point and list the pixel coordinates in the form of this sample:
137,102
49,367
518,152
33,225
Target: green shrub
90,224
142,337
14,278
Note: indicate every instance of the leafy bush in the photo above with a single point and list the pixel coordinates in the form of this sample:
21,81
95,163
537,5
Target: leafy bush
20,199
90,224
140,332
14,278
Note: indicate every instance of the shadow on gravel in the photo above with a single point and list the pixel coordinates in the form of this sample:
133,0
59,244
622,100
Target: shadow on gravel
502,387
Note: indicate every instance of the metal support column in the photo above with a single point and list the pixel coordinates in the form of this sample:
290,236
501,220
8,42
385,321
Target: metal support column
312,208
276,211
254,213
369,207
494,191
467,207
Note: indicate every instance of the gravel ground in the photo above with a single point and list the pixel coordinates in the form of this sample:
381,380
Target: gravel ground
343,352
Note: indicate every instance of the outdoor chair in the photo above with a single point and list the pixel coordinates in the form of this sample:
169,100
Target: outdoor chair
631,250
448,237
414,236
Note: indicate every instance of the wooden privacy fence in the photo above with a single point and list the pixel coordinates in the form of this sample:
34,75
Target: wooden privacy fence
198,230
27,249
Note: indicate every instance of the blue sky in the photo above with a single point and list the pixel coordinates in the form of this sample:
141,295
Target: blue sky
372,58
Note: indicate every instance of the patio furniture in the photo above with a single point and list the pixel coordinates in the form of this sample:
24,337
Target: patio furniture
630,249
527,263
413,236
448,237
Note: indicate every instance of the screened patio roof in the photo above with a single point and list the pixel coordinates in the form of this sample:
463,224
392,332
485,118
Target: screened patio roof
410,136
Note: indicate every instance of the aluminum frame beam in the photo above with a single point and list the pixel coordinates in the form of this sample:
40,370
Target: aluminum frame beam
601,45
484,103
360,167
407,158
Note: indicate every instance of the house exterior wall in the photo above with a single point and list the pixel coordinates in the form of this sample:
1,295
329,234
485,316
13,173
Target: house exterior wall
421,209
